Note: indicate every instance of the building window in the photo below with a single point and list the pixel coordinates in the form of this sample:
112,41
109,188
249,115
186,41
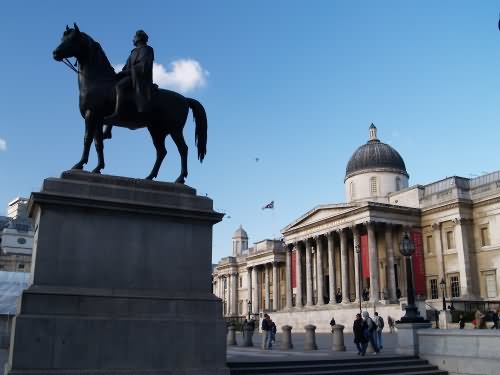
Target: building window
282,274
20,266
241,282
455,286
490,279
450,240
485,236
429,244
434,289
240,307
398,184
351,188
373,185
225,283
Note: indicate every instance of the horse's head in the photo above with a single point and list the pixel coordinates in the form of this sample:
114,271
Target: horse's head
71,44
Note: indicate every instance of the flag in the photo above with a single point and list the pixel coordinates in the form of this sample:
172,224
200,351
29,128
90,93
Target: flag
269,205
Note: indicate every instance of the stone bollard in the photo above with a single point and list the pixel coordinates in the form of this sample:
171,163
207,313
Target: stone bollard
286,338
310,338
338,338
231,335
247,341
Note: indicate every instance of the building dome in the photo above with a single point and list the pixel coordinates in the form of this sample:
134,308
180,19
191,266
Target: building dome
240,233
375,156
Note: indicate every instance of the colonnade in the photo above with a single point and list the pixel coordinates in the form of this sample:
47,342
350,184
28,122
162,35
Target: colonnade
347,240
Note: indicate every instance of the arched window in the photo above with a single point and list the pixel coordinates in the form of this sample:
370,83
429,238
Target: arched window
373,185
351,190
398,184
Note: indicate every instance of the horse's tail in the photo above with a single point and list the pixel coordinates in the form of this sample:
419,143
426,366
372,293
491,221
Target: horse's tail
200,119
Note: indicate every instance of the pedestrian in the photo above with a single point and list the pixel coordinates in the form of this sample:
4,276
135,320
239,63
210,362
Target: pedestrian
273,332
495,320
390,322
461,321
266,332
371,327
338,296
398,293
332,323
480,321
244,328
251,326
359,328
379,321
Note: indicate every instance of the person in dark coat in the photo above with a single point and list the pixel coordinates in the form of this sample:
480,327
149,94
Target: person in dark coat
332,323
461,321
360,340
137,74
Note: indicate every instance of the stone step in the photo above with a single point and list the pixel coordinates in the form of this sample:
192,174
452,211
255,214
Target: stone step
352,366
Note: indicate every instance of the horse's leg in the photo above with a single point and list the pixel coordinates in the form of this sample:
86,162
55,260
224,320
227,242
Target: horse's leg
99,146
87,141
178,138
158,136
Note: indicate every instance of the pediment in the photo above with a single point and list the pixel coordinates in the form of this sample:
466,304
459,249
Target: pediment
319,214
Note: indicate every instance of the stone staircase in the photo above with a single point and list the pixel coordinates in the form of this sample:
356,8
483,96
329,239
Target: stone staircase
380,365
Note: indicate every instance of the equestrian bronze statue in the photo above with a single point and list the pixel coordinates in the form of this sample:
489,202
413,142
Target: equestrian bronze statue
128,99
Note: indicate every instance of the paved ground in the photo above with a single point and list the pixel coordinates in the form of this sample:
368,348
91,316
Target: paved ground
323,340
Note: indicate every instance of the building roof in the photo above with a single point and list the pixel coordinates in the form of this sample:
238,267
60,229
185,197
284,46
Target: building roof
240,233
375,155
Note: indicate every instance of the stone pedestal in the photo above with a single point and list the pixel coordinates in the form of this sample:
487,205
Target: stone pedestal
286,338
120,281
310,338
231,336
407,337
338,338
444,319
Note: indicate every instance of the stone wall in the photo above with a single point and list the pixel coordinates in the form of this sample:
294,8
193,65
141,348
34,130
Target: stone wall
462,352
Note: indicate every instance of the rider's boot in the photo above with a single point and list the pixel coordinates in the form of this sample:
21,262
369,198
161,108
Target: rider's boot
118,110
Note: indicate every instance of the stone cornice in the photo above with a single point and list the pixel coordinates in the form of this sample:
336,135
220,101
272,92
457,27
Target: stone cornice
486,202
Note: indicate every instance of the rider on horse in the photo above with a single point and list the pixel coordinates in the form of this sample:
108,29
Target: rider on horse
137,74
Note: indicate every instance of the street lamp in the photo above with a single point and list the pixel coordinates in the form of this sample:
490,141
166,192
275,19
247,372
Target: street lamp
442,286
249,308
358,251
407,248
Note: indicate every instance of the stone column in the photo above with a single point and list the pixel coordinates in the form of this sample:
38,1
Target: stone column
344,264
276,299
234,293
298,292
249,288
309,281
288,286
465,258
389,250
332,285
319,269
438,248
229,295
267,296
373,259
357,260
255,295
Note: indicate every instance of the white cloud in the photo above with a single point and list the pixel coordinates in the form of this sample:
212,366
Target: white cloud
184,75
3,144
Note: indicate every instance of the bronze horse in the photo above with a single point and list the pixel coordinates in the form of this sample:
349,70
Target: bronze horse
96,79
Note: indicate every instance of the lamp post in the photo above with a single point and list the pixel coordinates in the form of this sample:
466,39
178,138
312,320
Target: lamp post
358,251
249,308
442,286
407,248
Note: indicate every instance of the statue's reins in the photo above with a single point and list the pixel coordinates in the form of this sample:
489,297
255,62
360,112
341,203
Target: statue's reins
77,71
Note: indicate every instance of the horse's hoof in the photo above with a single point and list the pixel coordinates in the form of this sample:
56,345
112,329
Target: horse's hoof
150,177
96,170
180,180
77,166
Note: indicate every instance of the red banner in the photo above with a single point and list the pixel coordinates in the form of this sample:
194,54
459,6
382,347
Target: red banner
365,263
418,263
294,268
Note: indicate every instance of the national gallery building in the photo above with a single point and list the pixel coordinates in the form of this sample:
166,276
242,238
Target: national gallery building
336,255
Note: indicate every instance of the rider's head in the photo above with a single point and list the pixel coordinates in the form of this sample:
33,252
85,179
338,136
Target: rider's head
140,37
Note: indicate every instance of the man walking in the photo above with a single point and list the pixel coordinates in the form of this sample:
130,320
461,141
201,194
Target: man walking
379,321
266,332
370,331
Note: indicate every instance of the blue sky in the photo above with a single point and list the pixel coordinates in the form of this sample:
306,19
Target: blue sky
294,84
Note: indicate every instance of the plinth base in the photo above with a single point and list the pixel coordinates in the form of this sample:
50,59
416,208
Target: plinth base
120,281
407,337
